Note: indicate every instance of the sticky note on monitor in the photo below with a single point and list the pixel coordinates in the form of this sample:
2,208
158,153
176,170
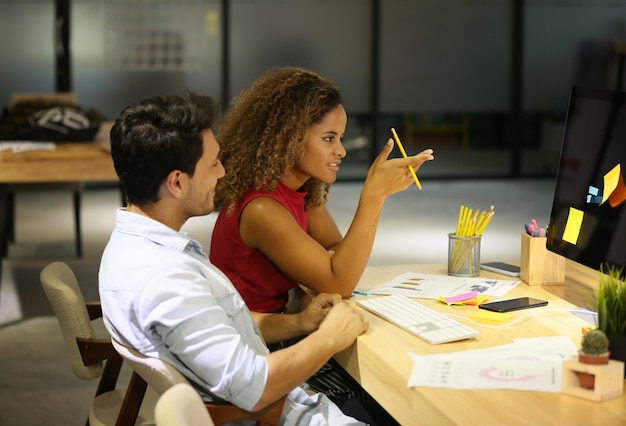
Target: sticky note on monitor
614,188
573,225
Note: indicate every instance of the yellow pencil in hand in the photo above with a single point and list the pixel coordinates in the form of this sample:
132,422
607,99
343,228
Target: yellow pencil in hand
397,139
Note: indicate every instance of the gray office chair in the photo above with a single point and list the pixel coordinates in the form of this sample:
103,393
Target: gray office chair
181,405
161,376
92,358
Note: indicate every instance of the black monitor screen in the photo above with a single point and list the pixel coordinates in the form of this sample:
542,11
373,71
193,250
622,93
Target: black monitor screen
587,221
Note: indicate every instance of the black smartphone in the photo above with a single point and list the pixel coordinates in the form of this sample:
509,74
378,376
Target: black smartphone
501,268
513,304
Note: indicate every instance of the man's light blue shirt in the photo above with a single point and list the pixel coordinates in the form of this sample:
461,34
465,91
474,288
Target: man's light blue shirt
161,295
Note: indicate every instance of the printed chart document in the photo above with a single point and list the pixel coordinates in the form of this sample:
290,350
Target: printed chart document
426,286
531,364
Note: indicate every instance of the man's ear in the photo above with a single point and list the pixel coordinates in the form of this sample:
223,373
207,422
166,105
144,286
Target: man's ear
175,183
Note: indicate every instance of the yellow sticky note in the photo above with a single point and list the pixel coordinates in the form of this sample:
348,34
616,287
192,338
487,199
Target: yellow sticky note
489,317
443,300
572,227
481,299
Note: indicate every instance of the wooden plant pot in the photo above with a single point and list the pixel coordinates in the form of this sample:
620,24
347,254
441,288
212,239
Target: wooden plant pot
587,380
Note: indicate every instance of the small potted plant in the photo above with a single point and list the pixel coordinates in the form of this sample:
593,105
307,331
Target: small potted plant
594,350
610,303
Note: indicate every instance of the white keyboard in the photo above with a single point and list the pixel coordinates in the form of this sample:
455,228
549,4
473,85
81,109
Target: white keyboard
420,320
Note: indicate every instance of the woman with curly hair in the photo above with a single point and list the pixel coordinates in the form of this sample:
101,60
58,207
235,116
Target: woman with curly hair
281,145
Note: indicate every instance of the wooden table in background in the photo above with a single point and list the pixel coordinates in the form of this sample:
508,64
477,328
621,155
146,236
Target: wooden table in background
379,361
69,162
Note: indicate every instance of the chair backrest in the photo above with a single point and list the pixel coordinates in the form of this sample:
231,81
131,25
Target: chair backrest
159,374
62,290
181,405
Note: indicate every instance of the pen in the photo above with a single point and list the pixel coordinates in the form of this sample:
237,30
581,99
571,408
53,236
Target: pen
533,222
395,136
362,292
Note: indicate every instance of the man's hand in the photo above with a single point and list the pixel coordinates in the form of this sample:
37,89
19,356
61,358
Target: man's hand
337,325
343,324
311,317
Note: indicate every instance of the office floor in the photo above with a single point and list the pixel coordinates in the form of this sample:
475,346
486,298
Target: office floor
37,383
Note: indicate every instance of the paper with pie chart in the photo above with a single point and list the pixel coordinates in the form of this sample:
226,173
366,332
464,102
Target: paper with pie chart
527,364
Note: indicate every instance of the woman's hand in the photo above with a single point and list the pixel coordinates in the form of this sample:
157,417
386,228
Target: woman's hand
388,176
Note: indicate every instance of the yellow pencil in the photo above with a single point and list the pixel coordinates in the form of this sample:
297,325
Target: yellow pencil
460,219
488,217
395,136
481,220
461,231
487,220
474,219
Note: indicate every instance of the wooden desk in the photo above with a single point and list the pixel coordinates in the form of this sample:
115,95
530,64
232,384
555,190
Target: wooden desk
70,162
379,361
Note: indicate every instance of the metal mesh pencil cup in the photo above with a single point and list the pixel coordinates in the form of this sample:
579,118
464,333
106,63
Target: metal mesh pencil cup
463,256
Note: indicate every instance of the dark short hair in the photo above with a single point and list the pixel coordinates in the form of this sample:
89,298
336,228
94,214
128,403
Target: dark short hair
155,136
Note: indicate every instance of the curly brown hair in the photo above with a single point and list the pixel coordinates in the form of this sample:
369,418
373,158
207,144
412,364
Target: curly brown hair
262,135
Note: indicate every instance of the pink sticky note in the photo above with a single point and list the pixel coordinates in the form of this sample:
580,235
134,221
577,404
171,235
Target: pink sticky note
461,297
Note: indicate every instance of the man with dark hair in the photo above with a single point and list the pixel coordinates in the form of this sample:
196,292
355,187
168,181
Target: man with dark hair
161,295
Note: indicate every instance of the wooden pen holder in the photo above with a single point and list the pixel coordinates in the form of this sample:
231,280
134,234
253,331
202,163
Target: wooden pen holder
538,265
609,380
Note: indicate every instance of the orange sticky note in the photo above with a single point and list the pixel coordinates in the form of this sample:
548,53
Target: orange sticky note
477,301
614,188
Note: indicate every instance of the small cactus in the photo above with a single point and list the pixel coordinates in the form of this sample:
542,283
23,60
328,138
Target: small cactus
595,342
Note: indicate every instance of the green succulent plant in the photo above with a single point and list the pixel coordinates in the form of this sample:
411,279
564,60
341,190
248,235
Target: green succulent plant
595,342
611,302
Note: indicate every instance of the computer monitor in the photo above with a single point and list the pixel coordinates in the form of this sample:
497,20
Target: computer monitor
587,221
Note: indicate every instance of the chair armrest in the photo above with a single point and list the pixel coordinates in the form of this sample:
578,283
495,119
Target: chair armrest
93,351
94,309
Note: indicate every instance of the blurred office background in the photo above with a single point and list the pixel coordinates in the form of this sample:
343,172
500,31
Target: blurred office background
484,82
